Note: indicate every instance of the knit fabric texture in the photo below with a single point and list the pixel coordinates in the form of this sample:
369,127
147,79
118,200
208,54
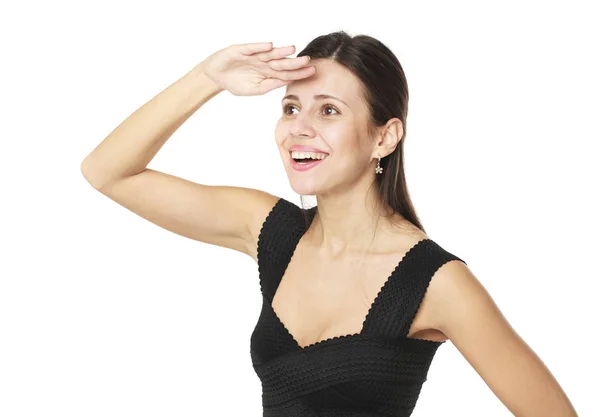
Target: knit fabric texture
376,372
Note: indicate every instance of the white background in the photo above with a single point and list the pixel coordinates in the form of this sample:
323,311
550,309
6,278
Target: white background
103,313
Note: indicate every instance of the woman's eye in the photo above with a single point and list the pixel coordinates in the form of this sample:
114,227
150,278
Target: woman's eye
330,107
326,106
285,108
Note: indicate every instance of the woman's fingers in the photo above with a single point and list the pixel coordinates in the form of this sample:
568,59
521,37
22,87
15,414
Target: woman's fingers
266,53
296,74
276,53
252,48
286,64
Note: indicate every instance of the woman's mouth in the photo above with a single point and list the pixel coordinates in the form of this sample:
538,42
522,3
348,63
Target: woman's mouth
305,164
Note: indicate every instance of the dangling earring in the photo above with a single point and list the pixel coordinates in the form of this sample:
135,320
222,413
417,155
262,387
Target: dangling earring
378,169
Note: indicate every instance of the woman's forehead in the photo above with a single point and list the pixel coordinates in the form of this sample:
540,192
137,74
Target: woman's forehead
331,80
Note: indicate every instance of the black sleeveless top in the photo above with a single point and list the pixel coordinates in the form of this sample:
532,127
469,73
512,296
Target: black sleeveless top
376,372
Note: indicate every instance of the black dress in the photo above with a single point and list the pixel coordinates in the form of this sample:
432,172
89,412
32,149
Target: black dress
376,372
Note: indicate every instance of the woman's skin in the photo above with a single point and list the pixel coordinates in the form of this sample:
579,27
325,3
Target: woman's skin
346,221
117,167
346,234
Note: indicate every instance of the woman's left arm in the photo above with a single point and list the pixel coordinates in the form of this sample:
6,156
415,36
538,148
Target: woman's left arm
466,313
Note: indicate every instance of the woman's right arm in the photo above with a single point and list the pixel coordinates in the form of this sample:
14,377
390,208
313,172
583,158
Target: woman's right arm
225,216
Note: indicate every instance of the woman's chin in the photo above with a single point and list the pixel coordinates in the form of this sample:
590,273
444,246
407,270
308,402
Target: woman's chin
304,189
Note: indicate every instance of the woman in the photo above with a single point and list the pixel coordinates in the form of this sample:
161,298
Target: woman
356,297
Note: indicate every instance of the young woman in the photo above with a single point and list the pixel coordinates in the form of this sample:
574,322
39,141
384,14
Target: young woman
356,297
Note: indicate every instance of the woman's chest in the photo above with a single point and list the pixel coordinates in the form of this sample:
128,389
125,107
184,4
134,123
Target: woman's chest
317,299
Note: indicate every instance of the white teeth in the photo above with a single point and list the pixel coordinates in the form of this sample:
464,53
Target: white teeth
313,155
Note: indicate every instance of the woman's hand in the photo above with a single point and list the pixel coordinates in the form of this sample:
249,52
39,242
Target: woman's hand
255,68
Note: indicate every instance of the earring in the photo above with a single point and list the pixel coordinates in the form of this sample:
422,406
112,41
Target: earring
378,169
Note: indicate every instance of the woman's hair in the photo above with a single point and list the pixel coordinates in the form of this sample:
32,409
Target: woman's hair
385,93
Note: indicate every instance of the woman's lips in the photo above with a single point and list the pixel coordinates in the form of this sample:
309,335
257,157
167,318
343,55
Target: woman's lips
306,148
305,166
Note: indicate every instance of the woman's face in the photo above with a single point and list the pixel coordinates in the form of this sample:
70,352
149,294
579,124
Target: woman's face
335,126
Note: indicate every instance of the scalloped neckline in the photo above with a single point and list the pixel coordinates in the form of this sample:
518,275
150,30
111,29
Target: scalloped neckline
373,303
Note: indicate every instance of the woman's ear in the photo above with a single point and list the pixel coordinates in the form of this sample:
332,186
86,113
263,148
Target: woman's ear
390,136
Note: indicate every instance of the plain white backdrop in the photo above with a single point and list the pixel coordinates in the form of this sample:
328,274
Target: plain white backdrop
103,313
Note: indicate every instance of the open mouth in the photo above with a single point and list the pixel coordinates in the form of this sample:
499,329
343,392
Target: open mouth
308,159
303,164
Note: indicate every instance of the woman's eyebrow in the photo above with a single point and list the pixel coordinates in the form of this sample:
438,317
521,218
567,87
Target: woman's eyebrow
316,97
